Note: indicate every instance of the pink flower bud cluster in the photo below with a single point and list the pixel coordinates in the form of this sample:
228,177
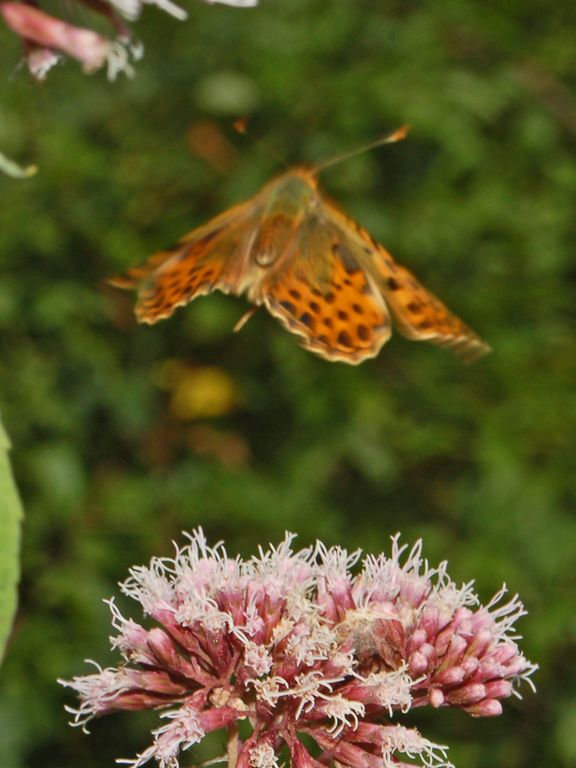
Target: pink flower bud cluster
46,38
292,644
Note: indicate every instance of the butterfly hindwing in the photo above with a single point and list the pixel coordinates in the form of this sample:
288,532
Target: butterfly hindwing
320,293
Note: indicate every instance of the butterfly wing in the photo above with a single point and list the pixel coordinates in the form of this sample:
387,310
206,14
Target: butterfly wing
319,292
212,257
314,269
417,313
421,316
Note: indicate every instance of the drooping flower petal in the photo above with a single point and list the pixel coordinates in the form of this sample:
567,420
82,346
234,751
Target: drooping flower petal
88,47
46,37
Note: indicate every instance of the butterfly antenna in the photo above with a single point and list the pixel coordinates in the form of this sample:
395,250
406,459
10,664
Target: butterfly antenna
398,135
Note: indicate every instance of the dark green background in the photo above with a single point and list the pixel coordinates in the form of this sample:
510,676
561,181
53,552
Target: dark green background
478,460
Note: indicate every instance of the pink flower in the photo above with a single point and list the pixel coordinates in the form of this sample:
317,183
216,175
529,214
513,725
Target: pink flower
44,30
46,37
294,643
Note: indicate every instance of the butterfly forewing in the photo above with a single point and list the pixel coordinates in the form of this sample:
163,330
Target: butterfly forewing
421,316
417,313
215,256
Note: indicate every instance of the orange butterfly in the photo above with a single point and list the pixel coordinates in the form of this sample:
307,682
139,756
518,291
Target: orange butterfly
316,270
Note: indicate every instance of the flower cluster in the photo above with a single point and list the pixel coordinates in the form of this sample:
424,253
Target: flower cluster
294,644
46,38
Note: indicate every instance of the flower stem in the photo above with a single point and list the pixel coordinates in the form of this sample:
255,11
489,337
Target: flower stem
213,761
233,743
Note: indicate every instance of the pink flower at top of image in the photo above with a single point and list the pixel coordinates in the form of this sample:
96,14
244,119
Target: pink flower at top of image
46,38
293,643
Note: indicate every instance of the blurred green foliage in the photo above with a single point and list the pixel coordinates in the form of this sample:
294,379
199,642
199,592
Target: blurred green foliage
117,445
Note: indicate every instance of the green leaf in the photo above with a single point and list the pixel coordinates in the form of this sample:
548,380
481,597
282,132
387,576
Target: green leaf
10,517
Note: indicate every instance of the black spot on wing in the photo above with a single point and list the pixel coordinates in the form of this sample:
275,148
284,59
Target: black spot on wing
288,306
344,339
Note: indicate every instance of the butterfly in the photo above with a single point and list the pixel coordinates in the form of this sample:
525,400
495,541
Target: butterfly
317,271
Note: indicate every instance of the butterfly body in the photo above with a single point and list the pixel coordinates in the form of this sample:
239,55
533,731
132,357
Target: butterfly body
312,267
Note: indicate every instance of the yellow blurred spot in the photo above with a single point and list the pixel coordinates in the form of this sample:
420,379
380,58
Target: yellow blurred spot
198,393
